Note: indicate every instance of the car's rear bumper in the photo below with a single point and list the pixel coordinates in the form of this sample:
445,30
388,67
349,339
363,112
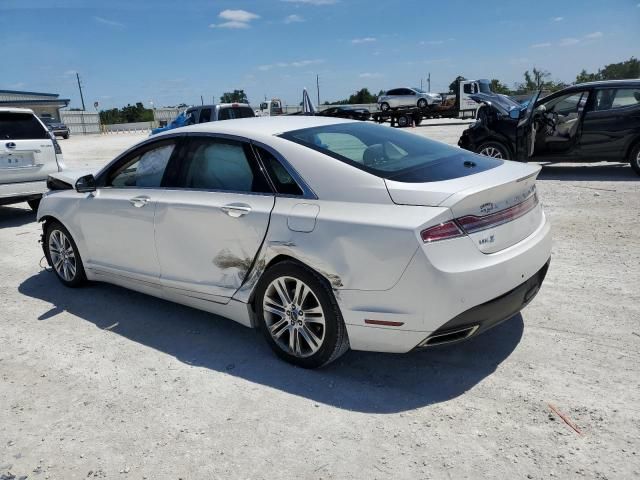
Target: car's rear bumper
21,191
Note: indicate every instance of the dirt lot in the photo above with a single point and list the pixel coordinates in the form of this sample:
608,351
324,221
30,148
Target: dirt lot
106,383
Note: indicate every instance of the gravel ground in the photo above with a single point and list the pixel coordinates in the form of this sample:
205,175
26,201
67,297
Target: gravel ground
102,382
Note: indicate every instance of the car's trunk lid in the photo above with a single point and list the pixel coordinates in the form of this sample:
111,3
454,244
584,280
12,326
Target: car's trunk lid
497,208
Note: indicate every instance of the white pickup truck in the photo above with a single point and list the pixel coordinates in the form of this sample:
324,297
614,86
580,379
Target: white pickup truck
28,154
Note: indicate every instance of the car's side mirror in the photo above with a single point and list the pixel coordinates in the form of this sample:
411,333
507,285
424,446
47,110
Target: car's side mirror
86,184
514,114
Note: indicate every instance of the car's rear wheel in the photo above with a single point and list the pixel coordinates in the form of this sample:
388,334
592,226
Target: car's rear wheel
634,159
385,107
299,316
403,121
34,204
63,256
494,150
422,103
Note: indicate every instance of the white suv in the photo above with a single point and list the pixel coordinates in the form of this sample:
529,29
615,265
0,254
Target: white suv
28,154
408,97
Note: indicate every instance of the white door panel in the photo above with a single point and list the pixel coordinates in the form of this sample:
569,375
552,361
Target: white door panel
206,241
118,229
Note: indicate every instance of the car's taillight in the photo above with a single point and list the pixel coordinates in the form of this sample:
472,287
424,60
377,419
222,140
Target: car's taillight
473,223
441,232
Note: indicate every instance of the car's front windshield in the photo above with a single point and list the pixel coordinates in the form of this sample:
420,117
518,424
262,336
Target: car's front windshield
419,90
391,153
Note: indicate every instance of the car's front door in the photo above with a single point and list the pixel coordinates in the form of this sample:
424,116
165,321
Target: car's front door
212,220
609,123
117,220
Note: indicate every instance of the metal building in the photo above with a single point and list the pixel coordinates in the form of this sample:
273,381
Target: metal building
43,104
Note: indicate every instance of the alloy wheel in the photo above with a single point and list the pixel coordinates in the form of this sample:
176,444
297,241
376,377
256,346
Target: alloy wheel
490,151
294,317
63,257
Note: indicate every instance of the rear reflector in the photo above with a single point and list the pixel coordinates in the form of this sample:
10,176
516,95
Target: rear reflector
472,223
441,232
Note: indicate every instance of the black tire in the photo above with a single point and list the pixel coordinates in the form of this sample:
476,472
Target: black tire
385,107
79,277
634,158
335,341
494,149
34,204
403,121
422,103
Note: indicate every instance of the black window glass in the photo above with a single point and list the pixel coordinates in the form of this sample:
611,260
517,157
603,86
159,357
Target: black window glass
143,170
279,175
391,153
21,126
392,92
205,115
609,98
229,113
212,164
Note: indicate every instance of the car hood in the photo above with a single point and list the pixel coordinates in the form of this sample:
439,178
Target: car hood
502,103
70,176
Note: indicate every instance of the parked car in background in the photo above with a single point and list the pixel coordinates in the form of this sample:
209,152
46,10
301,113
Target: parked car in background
326,234
408,97
346,111
597,121
57,127
28,154
208,113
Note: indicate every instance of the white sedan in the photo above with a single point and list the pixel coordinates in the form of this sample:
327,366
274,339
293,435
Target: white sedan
326,234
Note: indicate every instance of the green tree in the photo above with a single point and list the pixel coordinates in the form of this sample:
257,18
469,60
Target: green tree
498,87
128,114
614,71
237,96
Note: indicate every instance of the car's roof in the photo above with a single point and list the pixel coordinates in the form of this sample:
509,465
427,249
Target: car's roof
250,127
214,105
607,83
16,110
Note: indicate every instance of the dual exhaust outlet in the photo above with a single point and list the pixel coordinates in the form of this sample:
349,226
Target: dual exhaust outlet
449,336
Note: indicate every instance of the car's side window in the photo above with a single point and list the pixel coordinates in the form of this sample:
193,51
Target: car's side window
143,170
205,115
610,98
279,175
567,104
223,165
392,92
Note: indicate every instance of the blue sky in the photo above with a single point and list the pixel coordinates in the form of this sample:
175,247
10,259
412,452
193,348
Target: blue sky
167,52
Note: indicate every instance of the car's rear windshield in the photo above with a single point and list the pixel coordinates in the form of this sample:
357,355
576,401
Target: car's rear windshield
21,126
391,153
227,113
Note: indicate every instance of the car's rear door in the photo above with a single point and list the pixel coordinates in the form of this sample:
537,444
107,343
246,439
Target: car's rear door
612,120
211,222
27,151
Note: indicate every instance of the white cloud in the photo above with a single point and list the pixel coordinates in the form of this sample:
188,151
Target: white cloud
557,19
565,42
357,41
432,42
594,35
296,64
541,45
370,75
293,19
110,23
235,19
312,2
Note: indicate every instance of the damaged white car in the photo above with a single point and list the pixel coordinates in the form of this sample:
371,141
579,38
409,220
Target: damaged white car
326,234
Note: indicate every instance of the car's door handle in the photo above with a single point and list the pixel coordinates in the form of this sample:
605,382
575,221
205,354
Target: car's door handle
236,209
140,201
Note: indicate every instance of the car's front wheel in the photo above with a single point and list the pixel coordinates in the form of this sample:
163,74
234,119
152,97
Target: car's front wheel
634,159
494,150
299,316
63,256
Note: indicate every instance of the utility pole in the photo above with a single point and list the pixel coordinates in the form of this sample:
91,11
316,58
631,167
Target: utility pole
80,88
201,100
318,88
429,82
420,83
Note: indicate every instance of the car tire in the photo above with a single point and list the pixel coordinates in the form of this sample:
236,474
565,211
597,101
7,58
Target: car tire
308,332
66,137
63,255
403,121
422,103
34,204
634,159
385,107
494,150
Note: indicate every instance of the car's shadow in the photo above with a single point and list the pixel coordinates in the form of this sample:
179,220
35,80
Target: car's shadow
610,172
359,381
15,217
